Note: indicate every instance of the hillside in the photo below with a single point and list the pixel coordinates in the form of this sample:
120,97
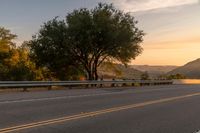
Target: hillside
190,70
154,71
108,70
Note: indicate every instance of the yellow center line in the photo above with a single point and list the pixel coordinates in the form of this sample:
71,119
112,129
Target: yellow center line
94,113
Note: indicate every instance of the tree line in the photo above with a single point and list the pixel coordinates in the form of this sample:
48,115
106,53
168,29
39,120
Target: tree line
73,47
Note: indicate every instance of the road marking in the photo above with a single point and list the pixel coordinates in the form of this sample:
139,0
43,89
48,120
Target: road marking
77,96
94,113
58,98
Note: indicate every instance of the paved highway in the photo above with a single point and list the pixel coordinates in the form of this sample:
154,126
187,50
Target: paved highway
152,109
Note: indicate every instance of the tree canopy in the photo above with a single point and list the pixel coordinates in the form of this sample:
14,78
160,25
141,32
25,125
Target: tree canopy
86,39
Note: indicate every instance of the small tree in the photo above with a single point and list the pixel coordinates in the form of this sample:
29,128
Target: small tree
145,76
176,76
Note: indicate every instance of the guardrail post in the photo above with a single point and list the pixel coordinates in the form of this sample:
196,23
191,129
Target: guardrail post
133,84
113,84
124,84
49,87
101,85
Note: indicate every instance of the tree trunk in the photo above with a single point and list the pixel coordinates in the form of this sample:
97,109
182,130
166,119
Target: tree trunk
95,72
88,69
91,70
90,75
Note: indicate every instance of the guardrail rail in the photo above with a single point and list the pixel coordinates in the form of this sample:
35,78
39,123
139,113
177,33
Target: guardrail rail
30,84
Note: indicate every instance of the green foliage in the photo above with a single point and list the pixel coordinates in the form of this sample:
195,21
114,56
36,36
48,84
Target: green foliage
49,49
176,76
85,40
21,72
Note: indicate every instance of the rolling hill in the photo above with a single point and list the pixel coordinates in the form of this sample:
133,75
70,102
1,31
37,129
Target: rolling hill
109,71
190,70
154,71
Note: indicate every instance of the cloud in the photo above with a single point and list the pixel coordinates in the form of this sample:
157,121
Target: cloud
143,5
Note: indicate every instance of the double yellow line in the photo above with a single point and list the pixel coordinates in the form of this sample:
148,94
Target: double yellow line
94,113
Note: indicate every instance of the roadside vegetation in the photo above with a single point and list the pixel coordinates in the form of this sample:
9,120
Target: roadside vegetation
176,76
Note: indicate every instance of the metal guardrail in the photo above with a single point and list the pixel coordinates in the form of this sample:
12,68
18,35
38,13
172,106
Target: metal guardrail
29,84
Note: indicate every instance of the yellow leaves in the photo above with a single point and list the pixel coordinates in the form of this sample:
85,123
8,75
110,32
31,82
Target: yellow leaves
4,48
14,58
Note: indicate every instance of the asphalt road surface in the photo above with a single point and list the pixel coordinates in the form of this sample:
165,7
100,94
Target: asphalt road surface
152,109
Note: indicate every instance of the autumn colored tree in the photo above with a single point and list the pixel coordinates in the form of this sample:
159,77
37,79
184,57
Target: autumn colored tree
6,51
15,63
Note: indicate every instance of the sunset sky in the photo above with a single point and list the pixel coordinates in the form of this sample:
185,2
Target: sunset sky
172,27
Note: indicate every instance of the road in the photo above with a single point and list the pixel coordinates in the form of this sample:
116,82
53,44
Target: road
150,109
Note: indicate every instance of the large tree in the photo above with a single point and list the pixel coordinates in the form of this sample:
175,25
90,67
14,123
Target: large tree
103,33
88,38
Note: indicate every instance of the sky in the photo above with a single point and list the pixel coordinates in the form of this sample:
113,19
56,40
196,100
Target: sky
171,26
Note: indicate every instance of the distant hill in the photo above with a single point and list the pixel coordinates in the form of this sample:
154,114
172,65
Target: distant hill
190,70
109,71
154,71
